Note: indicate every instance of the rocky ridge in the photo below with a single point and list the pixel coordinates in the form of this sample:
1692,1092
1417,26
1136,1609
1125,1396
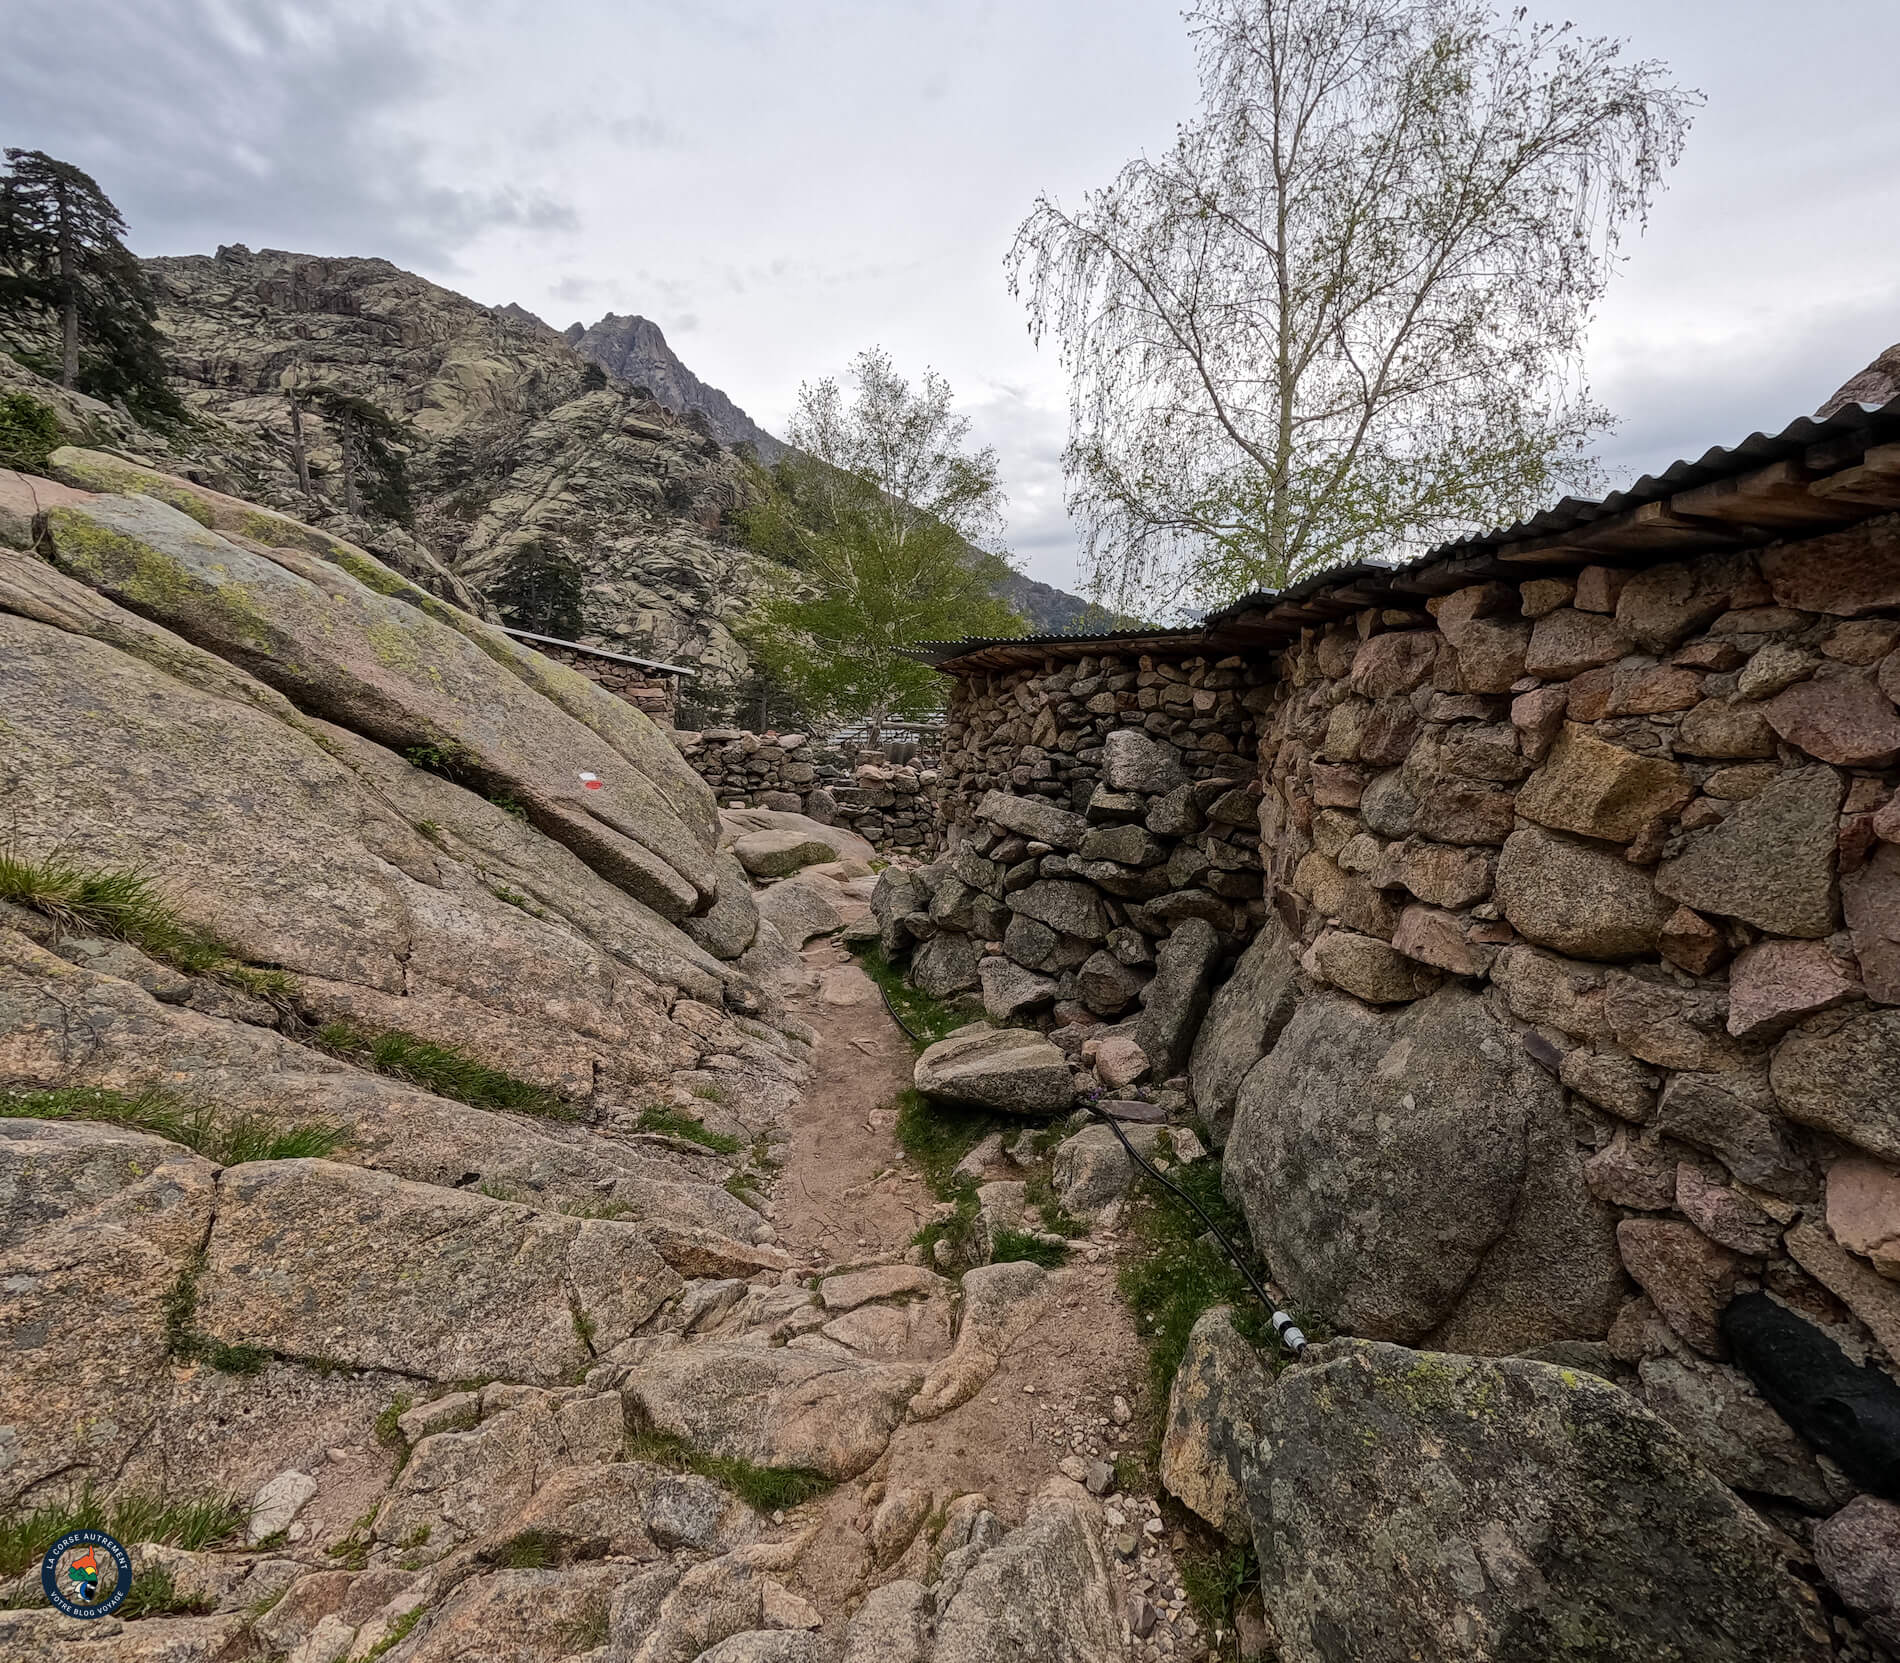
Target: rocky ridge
635,350
514,446
490,1334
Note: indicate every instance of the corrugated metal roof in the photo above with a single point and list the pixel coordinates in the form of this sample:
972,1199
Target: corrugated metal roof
1824,445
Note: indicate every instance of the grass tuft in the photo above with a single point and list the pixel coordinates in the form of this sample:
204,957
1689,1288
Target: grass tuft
191,1522
674,1124
1176,1271
155,1594
936,1136
398,1632
130,905
227,1140
587,1629
928,1019
441,1069
1006,1245
767,1489
1217,1583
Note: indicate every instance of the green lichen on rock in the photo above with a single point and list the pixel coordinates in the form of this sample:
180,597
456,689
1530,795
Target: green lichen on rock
148,580
1407,1504
92,470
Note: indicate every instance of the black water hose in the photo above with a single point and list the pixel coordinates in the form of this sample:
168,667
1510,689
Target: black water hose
1283,1325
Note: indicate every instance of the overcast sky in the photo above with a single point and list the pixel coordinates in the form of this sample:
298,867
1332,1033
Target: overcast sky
778,185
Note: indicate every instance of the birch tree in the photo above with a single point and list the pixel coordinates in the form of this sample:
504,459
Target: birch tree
884,521
1342,316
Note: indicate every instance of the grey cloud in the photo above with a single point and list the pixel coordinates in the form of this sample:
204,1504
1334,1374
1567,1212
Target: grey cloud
274,123
1676,402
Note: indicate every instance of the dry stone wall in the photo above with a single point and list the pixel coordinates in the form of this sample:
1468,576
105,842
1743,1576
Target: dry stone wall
1616,856
1093,808
652,692
890,805
1567,1016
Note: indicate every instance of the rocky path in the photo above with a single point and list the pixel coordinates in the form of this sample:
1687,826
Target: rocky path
1056,1404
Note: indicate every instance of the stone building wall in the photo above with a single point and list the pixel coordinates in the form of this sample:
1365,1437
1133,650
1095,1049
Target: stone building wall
1092,806
655,693
1568,1019
888,804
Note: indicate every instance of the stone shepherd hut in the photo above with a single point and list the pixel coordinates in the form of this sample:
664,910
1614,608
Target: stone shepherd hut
1525,922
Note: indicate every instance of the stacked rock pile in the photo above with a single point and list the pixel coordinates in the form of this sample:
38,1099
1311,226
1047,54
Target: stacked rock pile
888,804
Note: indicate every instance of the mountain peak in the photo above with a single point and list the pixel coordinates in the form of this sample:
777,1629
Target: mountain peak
635,349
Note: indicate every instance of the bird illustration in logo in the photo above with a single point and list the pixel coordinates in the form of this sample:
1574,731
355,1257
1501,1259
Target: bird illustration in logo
83,1574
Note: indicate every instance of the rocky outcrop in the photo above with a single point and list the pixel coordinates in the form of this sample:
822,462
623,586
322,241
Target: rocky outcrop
1525,1511
1005,1069
634,350
1416,1174
513,454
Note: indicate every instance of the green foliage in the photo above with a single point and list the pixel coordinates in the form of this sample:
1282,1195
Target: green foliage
155,1594
388,1432
766,1488
1021,1244
227,1140
936,1136
959,1230
1217,1582
190,1522
448,758
1177,1270
64,265
374,448
1040,1194
927,1020
124,903
29,432
508,805
528,1550
541,589
131,905
874,522
659,1118
587,1629
441,1069
1343,314
399,1631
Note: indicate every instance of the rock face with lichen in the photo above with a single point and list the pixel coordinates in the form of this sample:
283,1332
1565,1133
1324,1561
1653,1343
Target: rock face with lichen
1409,1504
519,443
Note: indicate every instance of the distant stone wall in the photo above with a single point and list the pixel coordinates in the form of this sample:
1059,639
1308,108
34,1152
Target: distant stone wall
655,693
888,804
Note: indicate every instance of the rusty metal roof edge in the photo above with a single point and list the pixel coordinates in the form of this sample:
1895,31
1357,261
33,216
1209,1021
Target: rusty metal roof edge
1568,514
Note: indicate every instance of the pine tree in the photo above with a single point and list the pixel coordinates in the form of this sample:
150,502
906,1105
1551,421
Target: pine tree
375,468
67,271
